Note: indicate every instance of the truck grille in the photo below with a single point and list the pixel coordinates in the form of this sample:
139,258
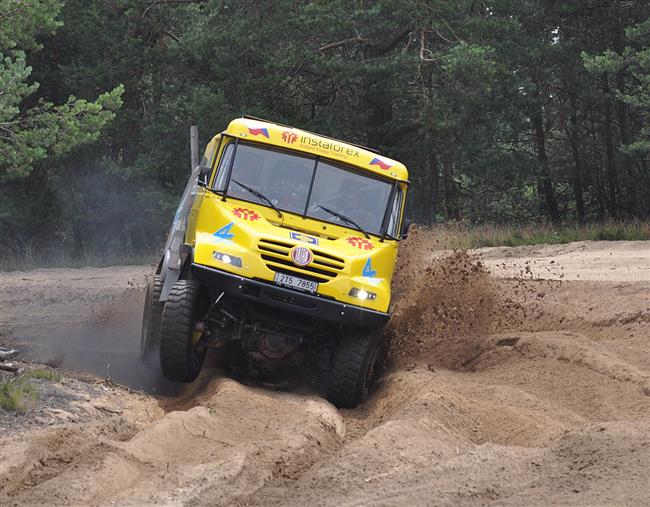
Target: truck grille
323,268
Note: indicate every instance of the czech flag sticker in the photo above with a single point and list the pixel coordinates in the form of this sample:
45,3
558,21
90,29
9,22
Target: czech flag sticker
382,165
259,132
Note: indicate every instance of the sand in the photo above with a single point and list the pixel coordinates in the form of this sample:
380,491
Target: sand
517,376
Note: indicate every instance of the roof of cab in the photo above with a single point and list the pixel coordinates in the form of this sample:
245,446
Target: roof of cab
300,140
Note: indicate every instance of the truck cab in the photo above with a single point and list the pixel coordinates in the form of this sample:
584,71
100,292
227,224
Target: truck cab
290,242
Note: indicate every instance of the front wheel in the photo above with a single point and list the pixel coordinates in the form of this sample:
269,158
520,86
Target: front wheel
181,357
355,366
151,317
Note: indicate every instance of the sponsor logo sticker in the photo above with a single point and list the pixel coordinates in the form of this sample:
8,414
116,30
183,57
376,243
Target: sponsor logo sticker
289,137
246,214
368,272
224,233
304,238
327,147
361,243
301,256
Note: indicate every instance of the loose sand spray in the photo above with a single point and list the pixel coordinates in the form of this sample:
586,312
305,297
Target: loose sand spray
443,306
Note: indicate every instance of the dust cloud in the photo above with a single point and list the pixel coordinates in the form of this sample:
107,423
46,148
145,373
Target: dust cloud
84,320
108,346
444,305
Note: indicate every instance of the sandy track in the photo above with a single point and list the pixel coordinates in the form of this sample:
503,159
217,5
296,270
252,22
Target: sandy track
618,261
522,389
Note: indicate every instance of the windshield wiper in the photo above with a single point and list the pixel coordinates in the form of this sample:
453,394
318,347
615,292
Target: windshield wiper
260,195
345,219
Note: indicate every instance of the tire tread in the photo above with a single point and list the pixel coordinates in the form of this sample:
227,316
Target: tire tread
176,354
153,314
348,369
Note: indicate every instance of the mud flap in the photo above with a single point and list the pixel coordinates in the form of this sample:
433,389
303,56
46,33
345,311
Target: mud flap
170,277
173,258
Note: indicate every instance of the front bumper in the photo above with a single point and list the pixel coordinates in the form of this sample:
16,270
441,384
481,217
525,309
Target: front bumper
268,294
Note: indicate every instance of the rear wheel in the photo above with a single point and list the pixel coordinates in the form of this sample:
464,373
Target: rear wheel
355,366
181,357
151,317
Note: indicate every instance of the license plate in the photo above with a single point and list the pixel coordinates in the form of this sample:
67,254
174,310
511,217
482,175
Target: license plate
296,283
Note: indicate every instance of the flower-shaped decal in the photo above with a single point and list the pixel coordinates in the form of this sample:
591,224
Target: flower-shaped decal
360,243
246,214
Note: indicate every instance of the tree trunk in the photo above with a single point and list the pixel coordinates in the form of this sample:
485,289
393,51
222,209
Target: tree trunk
612,176
544,183
597,168
451,197
623,114
577,175
381,112
434,183
628,164
379,96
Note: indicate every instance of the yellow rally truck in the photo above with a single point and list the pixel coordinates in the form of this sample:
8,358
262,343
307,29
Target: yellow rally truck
284,240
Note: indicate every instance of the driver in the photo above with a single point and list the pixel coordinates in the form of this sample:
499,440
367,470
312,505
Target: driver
247,171
355,205
291,185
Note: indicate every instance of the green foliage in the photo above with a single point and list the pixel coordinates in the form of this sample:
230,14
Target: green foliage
46,129
22,20
33,133
508,112
633,65
17,394
44,374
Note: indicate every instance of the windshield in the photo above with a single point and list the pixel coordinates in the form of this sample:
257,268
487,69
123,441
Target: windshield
306,185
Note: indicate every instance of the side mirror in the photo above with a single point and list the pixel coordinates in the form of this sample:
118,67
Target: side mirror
204,176
406,225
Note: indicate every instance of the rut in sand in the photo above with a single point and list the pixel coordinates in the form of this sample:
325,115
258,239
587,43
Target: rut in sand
504,390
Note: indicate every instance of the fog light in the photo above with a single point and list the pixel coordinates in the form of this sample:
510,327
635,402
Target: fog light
362,294
227,259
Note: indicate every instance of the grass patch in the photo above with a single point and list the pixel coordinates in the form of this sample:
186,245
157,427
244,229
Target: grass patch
465,236
63,260
17,394
44,374
448,236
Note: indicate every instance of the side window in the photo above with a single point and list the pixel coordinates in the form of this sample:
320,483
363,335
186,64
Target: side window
394,220
208,154
220,180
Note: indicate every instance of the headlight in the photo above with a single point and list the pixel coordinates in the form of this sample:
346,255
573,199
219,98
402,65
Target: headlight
228,259
362,294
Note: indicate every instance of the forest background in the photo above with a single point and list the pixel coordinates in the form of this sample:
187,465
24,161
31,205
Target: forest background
505,111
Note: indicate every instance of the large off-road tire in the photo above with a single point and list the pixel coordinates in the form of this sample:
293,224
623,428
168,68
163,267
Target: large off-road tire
151,317
180,358
355,366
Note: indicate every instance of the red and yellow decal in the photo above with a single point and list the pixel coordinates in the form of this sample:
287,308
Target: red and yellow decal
289,137
361,243
246,214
